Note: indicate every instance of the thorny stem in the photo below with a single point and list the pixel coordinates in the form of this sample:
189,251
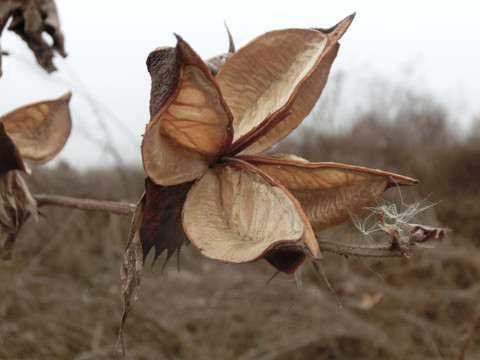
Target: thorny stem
112,207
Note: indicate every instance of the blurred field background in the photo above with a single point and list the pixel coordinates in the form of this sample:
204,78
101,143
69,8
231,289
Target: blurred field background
60,297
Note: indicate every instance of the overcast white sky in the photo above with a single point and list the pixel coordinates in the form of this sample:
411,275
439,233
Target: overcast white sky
432,46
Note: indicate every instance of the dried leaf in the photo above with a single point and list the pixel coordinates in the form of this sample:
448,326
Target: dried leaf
237,214
277,77
156,223
30,19
10,158
191,126
16,205
6,10
328,192
131,271
40,130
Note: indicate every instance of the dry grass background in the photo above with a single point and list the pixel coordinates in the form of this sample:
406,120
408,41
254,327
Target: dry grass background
60,297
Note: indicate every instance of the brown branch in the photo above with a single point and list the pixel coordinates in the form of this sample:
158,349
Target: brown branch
372,251
402,240
112,207
395,248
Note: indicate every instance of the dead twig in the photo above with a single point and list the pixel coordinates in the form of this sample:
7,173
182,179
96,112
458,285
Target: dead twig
372,251
473,325
399,245
402,235
112,207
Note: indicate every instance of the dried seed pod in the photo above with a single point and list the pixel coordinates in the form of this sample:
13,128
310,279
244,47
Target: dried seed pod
40,130
35,133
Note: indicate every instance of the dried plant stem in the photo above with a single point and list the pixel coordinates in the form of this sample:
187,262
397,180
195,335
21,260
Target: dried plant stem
474,324
119,208
112,207
372,251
